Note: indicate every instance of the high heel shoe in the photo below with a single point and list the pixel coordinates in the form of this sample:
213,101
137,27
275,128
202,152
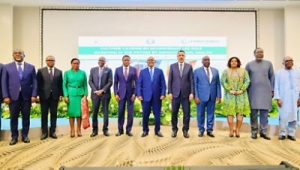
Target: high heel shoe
72,135
237,135
79,134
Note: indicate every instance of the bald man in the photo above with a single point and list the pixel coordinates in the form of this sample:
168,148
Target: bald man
287,95
151,90
100,81
50,92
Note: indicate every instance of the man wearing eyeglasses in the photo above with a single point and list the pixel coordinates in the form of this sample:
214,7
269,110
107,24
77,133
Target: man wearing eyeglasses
287,95
50,92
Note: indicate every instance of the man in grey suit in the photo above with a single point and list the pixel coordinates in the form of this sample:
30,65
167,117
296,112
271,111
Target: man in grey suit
100,81
181,91
50,92
261,91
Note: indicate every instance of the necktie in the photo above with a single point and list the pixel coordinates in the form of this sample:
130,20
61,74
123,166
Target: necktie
180,70
126,74
51,74
20,70
99,78
208,74
151,73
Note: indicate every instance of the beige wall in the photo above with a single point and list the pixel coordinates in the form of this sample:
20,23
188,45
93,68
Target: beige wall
6,33
271,35
292,32
26,33
278,33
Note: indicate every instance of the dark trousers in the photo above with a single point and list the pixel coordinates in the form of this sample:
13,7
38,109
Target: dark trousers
121,113
186,112
155,105
15,107
210,113
263,120
96,105
51,104
0,117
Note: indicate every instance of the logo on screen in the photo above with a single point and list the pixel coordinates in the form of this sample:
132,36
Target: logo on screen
150,41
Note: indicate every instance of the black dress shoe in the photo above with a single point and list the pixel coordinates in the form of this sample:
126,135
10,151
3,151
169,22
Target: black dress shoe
254,136
186,134
106,133
291,138
158,134
174,134
265,136
119,133
13,141
210,134
201,134
94,134
281,137
53,135
129,133
44,136
25,140
144,134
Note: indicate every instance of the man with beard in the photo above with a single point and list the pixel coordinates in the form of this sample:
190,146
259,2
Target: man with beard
260,92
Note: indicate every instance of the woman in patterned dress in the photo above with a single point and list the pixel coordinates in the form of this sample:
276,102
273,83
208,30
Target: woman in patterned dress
235,81
75,88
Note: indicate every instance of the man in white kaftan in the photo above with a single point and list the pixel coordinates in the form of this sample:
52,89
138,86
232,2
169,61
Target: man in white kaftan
287,94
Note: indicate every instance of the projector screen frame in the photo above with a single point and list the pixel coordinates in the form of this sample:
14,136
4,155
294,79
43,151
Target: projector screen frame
161,9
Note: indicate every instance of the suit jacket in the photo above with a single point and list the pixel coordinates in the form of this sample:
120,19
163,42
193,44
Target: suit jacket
121,86
1,70
184,84
205,89
106,82
11,83
45,85
147,88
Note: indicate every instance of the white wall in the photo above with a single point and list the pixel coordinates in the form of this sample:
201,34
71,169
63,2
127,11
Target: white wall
271,34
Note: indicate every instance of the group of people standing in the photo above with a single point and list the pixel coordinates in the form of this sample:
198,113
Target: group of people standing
246,91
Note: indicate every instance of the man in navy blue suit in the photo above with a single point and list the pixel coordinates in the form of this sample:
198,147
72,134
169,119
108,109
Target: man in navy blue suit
181,91
19,89
151,90
207,91
125,91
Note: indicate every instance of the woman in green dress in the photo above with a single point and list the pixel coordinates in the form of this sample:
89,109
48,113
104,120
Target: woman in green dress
235,81
75,88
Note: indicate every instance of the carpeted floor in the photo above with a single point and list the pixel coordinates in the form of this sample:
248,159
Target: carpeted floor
149,151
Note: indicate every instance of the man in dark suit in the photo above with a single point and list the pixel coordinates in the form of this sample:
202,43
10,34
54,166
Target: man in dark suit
19,89
207,91
151,90
181,91
124,88
1,68
50,92
100,81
